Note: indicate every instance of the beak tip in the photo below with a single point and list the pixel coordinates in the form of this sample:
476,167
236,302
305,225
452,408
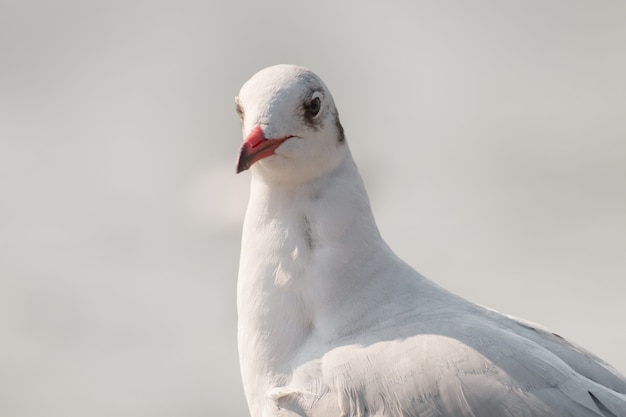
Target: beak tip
243,162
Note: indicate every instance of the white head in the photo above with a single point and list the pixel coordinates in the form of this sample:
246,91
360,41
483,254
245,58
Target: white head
290,125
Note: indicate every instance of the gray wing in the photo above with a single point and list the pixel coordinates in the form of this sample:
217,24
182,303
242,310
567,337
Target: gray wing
480,364
605,382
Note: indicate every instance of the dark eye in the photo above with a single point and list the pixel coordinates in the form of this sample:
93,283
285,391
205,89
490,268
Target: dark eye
313,107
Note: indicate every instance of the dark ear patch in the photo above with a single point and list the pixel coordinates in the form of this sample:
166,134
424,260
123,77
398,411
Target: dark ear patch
341,137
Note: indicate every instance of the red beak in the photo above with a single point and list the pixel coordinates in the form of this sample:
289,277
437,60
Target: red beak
256,147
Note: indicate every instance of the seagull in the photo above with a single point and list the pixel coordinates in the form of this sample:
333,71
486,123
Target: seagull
332,323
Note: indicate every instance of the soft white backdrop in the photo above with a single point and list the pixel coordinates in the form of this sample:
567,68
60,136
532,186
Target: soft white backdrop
491,136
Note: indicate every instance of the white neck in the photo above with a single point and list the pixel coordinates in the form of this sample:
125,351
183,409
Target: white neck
300,266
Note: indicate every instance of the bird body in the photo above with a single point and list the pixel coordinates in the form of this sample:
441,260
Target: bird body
333,323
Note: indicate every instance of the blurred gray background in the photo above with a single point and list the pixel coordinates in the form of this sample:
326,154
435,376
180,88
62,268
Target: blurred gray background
491,136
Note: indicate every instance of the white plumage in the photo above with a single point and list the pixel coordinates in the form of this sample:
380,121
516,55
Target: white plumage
333,323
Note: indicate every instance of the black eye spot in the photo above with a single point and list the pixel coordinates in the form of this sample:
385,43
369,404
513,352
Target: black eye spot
312,108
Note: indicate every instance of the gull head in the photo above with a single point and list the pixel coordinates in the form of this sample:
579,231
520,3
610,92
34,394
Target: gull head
290,126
